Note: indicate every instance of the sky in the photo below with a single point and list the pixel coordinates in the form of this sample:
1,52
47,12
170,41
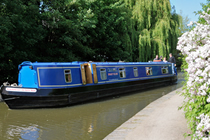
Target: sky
188,7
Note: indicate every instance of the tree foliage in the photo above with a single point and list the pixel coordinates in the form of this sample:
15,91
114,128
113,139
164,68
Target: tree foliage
183,22
157,26
84,30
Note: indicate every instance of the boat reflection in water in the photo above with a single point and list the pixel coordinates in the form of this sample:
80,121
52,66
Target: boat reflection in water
26,133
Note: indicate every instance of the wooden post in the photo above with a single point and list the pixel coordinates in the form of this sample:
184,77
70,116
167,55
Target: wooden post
82,67
95,74
88,73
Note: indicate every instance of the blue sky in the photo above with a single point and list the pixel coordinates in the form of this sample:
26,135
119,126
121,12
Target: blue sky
188,7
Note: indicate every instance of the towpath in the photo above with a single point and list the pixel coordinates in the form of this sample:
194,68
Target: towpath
160,120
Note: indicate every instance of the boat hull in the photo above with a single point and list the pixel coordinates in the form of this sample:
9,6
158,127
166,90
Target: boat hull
46,98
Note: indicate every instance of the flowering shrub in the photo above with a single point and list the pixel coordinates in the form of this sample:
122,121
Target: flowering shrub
195,46
203,127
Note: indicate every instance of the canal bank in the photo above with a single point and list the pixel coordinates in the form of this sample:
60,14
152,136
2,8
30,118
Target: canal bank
160,120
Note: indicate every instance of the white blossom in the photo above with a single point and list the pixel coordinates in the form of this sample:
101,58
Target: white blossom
191,23
195,44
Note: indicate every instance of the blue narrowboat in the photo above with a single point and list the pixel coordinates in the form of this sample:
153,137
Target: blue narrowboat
55,84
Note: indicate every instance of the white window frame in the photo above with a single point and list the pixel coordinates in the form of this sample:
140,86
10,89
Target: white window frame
135,72
67,74
103,73
148,71
164,68
122,70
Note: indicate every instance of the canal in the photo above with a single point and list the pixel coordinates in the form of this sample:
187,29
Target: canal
88,121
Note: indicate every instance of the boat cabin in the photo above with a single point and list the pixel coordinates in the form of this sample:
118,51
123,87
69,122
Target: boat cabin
73,74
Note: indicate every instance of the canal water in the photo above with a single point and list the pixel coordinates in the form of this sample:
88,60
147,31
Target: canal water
88,121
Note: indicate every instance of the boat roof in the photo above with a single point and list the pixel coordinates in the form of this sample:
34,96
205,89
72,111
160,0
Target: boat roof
28,63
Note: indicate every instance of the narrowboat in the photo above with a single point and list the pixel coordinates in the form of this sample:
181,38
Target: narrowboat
55,84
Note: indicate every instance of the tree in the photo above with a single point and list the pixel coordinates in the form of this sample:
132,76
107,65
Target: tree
183,23
19,33
157,28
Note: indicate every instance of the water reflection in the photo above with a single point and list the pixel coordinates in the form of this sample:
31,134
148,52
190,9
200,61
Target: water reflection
23,132
92,120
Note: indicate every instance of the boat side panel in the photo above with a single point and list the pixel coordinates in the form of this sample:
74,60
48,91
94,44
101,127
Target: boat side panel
55,77
113,72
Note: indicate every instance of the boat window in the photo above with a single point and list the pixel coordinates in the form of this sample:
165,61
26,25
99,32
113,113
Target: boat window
149,70
164,69
103,74
135,72
122,72
68,78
